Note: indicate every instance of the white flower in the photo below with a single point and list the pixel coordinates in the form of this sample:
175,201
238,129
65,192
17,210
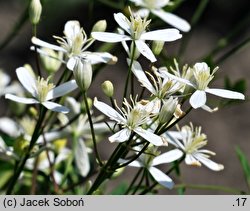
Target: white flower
156,7
150,159
161,89
191,140
136,28
41,90
202,77
131,119
73,45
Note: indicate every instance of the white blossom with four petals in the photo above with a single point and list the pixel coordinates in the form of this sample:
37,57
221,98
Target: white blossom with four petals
73,45
131,119
136,28
41,90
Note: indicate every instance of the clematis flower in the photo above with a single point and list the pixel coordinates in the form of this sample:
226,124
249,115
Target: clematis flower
41,90
132,118
156,7
73,45
159,88
151,158
202,78
191,140
136,29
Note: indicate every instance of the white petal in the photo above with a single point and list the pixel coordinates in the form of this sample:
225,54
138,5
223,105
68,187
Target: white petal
167,157
145,50
226,93
161,178
21,99
41,43
27,80
9,127
109,37
172,19
71,29
134,163
141,76
108,111
3,146
82,158
121,136
123,22
190,160
149,136
198,99
208,109
166,35
208,163
61,90
165,74
71,63
5,79
55,107
98,57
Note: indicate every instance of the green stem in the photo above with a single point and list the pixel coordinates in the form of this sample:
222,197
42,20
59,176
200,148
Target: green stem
129,71
133,181
92,129
21,164
234,50
140,182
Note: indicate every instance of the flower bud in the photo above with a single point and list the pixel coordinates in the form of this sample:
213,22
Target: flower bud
20,146
51,61
83,73
157,46
167,110
100,26
108,88
35,11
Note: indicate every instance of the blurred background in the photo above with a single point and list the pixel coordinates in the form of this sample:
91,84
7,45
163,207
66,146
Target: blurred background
222,28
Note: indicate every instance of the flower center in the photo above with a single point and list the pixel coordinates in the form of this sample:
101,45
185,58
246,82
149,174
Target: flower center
138,26
43,87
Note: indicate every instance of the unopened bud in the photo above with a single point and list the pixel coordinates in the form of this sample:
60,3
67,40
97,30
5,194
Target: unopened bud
157,46
100,26
108,88
51,61
83,74
167,110
35,11
20,146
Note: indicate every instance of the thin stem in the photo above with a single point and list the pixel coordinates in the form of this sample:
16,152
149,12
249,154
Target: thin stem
140,182
92,129
133,181
129,71
177,163
21,164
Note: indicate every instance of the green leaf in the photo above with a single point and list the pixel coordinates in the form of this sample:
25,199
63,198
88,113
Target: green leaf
5,173
245,165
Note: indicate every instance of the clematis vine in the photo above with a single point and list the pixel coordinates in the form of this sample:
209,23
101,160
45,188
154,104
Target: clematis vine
41,90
